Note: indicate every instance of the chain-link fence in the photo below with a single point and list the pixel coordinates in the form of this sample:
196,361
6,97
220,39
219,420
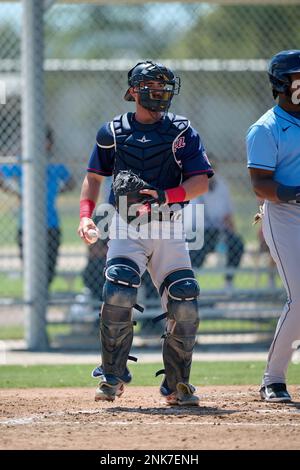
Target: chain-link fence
221,54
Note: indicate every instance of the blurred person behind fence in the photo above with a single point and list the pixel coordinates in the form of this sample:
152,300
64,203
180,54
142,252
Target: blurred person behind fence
58,180
218,225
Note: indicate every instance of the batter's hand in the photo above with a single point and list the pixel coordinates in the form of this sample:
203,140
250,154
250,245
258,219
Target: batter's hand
84,226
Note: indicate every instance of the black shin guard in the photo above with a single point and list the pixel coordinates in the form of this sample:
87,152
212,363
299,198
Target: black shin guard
116,330
179,344
116,326
182,325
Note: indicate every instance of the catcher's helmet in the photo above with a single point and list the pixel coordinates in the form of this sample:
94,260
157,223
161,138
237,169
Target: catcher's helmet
153,99
282,65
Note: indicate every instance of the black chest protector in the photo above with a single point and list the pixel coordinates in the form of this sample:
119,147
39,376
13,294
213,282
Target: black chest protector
148,150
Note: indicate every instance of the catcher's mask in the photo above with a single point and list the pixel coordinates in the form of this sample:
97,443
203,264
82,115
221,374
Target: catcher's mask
154,98
281,66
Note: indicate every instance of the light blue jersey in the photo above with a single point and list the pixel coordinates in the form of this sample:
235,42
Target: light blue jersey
273,143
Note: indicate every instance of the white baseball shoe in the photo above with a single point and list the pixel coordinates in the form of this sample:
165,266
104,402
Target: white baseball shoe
276,393
107,392
184,396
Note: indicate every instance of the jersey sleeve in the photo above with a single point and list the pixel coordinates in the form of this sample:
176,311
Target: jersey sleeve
262,150
189,149
102,158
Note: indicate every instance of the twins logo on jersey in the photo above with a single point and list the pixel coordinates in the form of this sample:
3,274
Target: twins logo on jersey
179,144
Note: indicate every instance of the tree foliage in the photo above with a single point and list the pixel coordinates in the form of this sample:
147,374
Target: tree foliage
246,32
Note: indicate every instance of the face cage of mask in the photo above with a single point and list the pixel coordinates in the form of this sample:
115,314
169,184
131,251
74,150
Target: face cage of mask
156,99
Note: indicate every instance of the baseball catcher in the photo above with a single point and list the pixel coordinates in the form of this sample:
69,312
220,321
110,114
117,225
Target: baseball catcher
157,161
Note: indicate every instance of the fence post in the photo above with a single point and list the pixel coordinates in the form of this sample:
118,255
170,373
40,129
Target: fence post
33,153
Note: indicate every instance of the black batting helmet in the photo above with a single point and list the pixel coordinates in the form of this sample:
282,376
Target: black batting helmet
153,99
281,66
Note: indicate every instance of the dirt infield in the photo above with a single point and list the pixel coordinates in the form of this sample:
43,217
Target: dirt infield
230,417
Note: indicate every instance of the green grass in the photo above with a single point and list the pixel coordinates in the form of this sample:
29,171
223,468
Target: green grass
61,284
226,325
241,281
203,373
220,325
13,286
17,331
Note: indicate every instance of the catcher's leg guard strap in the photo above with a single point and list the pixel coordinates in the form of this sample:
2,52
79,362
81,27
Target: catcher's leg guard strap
182,325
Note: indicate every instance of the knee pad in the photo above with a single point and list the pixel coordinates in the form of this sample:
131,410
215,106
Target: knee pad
122,280
180,285
183,291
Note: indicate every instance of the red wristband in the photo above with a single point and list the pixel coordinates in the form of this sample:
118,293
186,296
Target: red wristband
176,194
86,208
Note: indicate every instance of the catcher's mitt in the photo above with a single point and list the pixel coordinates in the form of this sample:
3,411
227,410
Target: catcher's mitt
127,183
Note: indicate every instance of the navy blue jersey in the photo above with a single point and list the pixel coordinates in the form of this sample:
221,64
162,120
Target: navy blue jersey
163,154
